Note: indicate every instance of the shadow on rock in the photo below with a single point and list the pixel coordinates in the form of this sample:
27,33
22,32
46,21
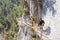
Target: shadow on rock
48,4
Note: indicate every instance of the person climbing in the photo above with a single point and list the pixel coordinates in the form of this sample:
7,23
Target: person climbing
41,23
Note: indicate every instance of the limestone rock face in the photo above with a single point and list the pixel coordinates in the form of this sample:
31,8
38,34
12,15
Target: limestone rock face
51,16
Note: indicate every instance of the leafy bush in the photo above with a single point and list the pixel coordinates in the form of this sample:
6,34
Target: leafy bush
9,10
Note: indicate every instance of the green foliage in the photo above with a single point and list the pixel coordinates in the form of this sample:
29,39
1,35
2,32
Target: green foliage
9,10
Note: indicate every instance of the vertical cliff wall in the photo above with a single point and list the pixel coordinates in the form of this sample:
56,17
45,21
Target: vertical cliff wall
51,15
